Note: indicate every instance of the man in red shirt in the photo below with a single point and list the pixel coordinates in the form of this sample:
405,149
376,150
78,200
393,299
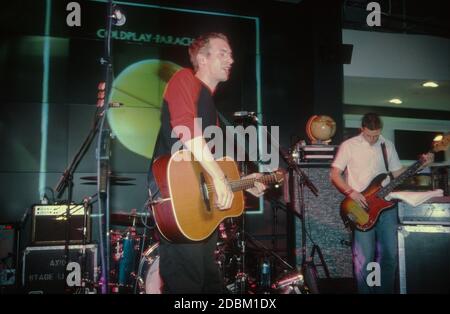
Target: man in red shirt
191,268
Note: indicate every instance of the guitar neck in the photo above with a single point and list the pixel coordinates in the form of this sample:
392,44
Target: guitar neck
439,145
411,170
244,184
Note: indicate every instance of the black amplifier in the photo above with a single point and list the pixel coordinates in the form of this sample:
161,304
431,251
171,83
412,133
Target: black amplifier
44,269
49,224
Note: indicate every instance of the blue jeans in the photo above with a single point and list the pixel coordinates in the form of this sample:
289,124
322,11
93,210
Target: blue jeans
377,245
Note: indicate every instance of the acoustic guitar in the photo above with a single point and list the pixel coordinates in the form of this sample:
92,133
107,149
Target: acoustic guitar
186,211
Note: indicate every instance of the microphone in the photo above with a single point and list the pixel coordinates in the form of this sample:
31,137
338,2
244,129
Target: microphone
115,104
246,114
118,18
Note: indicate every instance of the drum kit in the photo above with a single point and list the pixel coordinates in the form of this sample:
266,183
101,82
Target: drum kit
248,267
135,270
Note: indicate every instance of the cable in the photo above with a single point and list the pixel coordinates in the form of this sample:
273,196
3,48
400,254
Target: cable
146,205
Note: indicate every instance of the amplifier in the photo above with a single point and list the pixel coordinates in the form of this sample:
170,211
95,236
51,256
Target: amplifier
424,259
44,271
314,153
436,211
49,224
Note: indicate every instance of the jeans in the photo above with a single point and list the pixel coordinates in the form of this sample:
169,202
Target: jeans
377,245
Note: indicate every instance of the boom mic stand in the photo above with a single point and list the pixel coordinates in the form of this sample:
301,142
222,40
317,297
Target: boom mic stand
113,17
66,182
304,181
241,277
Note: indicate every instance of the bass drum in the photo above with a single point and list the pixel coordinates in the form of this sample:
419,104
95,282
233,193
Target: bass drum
148,279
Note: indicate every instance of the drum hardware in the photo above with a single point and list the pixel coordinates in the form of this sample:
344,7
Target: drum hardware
298,180
290,283
132,219
125,246
114,180
265,276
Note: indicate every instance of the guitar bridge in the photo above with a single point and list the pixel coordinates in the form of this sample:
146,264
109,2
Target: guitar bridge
204,191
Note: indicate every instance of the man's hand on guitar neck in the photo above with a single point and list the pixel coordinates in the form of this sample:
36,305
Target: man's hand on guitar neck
259,188
427,159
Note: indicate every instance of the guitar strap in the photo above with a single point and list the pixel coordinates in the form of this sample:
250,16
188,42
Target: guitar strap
383,149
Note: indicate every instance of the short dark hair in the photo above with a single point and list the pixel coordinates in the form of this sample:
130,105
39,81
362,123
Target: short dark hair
371,121
200,44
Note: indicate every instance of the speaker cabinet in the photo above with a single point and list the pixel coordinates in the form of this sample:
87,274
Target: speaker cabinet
325,226
44,268
424,259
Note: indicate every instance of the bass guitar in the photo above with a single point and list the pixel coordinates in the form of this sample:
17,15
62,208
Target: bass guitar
365,219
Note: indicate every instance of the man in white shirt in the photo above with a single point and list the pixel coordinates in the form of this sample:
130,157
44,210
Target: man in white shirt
361,159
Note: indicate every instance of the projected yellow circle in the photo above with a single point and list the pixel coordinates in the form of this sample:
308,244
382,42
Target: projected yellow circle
139,88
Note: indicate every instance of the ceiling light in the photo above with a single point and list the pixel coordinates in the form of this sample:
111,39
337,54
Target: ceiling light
395,101
430,84
438,138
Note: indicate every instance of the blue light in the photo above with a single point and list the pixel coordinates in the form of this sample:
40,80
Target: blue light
45,106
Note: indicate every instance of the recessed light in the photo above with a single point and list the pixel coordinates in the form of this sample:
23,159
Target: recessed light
395,101
438,138
430,84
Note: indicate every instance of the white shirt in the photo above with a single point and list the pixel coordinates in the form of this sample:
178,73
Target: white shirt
362,162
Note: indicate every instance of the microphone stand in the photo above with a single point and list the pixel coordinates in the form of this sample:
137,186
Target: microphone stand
113,17
66,182
102,154
241,276
304,181
288,159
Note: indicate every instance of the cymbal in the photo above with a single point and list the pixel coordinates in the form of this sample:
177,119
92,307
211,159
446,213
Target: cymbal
126,219
112,183
111,178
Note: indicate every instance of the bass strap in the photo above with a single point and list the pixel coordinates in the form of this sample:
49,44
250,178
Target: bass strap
383,149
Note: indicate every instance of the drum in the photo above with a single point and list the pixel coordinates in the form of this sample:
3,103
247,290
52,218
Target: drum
148,279
124,256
